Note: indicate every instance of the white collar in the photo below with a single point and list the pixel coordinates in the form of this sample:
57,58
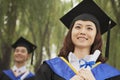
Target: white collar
19,70
75,62
93,57
72,57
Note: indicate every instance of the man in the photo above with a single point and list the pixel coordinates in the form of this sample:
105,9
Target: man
22,52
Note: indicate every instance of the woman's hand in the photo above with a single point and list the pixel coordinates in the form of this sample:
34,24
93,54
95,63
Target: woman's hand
84,74
77,77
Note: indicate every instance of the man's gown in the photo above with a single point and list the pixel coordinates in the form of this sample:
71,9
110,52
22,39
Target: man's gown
8,75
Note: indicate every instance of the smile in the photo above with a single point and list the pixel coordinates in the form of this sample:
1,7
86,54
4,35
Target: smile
82,38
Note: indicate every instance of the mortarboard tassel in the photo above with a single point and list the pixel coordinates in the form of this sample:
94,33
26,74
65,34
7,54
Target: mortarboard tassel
108,41
32,58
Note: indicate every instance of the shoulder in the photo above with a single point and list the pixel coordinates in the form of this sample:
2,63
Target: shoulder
105,69
3,75
5,72
46,71
49,62
44,68
53,60
48,65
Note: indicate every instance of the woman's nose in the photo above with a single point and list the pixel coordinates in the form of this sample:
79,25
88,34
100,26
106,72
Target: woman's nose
83,31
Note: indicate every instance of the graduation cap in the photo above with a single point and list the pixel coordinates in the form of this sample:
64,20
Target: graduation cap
89,7
25,43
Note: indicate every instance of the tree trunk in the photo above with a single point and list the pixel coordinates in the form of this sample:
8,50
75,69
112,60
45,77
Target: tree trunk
8,36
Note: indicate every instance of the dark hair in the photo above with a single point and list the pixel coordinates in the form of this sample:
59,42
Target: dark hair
68,45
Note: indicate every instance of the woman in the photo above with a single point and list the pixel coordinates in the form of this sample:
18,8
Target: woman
22,50
77,58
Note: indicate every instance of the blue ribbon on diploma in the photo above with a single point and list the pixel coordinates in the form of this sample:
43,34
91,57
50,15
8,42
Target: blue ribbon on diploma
90,64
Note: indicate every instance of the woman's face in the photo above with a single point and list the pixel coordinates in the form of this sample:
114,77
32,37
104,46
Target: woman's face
21,54
83,33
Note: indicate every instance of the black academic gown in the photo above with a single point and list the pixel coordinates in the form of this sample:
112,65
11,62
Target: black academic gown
3,76
45,73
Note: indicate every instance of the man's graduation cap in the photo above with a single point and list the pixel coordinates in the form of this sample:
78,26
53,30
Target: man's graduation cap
90,7
25,43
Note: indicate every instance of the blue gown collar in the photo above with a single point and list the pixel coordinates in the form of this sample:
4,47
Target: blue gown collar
101,72
60,68
11,75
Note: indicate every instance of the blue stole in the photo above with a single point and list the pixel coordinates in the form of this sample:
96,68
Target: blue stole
11,75
61,68
104,71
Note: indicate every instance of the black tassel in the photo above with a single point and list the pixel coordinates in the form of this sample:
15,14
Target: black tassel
108,42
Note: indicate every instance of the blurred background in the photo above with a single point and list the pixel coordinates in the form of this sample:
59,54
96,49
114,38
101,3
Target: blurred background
38,21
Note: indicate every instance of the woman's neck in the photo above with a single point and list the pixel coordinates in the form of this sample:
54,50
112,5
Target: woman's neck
81,53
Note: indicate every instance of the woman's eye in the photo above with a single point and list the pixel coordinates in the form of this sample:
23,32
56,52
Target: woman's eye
90,28
77,27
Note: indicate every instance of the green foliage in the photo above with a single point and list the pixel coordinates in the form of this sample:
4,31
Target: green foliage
111,7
